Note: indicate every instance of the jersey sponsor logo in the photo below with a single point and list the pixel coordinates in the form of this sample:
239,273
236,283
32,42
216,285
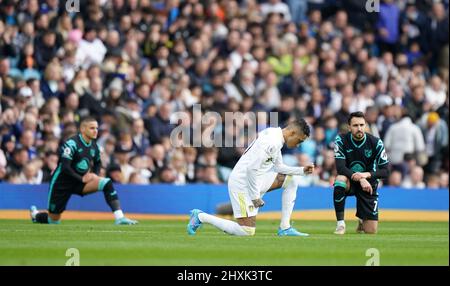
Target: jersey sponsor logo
349,150
357,167
368,153
82,166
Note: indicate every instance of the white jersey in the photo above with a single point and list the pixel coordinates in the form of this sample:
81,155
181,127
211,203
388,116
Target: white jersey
263,156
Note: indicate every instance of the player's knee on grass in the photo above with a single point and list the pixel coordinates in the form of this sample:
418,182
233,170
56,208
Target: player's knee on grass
54,218
370,227
247,221
249,230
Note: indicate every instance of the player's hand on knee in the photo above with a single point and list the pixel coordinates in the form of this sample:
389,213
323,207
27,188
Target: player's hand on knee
258,203
366,186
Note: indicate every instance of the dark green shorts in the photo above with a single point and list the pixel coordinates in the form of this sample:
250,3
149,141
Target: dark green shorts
59,195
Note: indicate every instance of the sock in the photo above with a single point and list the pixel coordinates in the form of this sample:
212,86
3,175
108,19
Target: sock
339,199
341,223
111,197
42,217
118,214
50,221
34,213
227,226
288,201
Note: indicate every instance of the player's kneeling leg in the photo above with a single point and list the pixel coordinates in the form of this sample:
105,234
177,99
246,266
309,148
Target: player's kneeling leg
229,226
370,226
112,199
249,230
54,218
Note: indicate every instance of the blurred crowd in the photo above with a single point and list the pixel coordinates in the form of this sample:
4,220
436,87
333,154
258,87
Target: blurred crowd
134,64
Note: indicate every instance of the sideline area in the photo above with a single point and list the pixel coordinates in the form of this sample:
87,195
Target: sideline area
385,215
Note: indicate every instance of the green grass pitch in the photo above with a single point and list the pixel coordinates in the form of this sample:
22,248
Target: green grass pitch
166,243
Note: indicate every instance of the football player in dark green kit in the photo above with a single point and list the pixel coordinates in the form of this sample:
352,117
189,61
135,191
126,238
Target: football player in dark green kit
77,173
361,162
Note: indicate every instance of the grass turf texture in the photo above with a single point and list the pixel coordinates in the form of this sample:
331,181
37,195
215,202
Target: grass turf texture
166,243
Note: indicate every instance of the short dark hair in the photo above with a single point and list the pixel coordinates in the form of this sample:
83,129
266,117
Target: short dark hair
87,119
300,125
356,114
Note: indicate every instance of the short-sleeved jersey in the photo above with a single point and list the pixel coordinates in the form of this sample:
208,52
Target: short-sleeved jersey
83,156
360,156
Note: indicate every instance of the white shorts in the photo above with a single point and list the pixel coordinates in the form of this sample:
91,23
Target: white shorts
240,199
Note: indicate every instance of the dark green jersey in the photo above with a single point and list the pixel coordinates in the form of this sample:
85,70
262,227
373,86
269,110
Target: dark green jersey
367,155
76,158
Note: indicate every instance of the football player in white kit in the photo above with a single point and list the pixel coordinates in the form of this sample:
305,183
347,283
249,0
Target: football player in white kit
260,170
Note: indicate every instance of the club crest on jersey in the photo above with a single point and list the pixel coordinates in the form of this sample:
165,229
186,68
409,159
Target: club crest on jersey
368,153
269,160
92,152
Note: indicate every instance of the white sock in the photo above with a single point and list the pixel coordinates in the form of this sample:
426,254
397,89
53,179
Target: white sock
288,201
225,225
118,214
341,223
34,213
360,220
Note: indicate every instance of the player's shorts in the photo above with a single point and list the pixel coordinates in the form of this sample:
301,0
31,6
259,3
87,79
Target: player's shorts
366,204
60,193
240,200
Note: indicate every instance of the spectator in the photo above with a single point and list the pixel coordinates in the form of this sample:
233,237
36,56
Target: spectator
435,92
122,156
435,132
432,181
401,138
46,48
388,25
395,179
19,159
443,180
159,125
114,172
84,56
3,164
31,173
415,179
264,54
190,154
50,163
140,139
157,154
178,164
